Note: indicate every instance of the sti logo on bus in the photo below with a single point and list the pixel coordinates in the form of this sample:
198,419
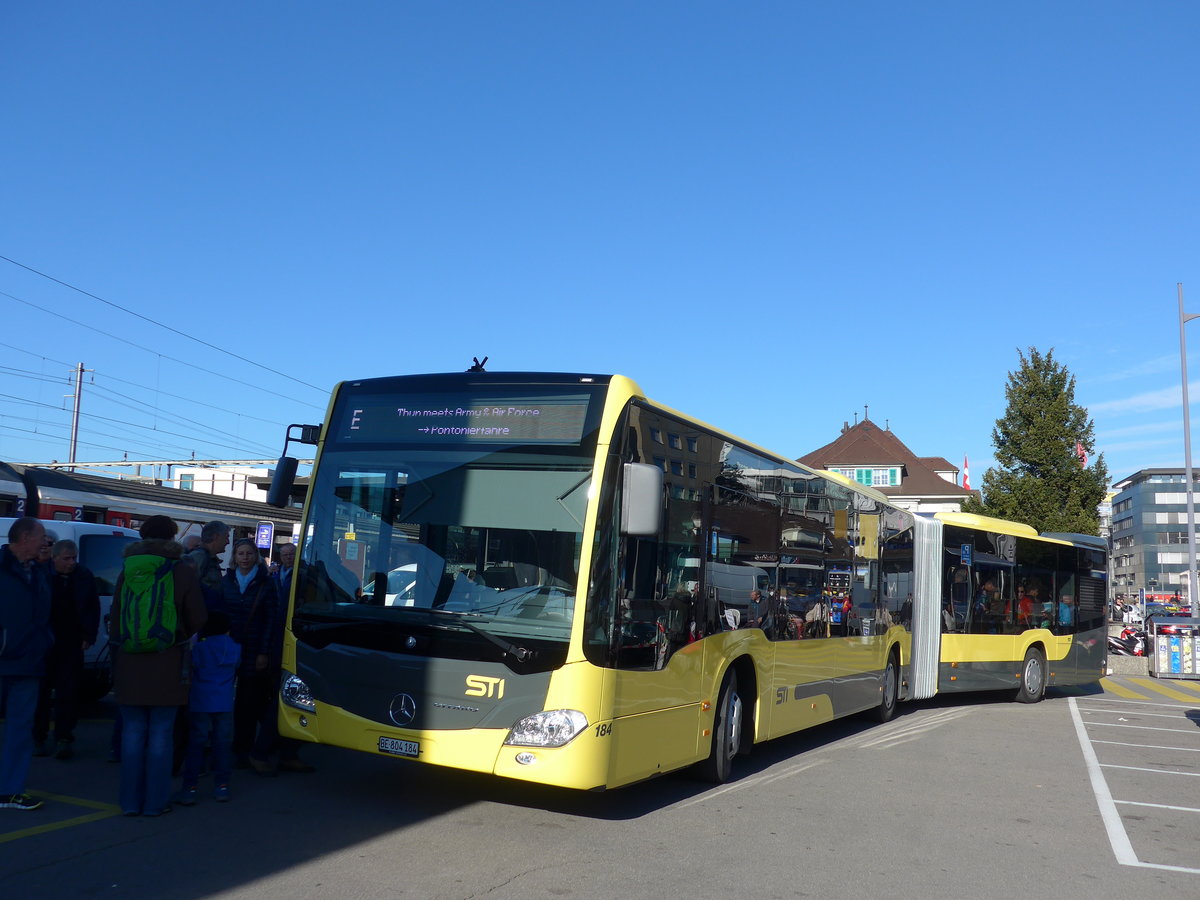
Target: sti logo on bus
482,686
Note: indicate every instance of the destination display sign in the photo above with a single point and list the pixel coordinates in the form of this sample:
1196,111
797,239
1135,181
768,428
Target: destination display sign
457,419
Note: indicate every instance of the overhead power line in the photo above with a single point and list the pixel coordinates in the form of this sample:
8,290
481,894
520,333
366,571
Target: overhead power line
41,376
46,439
116,337
158,323
197,439
139,405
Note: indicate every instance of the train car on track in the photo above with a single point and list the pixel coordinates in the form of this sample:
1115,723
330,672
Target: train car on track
75,497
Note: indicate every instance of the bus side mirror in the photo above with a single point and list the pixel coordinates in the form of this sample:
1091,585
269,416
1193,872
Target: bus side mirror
641,500
280,492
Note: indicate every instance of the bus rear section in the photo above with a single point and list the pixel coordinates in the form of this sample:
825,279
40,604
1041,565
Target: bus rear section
1017,611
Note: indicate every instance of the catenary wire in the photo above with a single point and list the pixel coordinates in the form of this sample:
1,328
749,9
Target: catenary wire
91,415
100,391
156,353
138,384
156,322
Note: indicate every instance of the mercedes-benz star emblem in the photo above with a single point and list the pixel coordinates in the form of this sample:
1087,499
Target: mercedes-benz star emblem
403,709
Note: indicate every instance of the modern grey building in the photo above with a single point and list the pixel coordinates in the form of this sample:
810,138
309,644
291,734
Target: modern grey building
1150,533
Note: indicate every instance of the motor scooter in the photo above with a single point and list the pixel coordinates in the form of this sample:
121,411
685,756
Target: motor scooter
1130,642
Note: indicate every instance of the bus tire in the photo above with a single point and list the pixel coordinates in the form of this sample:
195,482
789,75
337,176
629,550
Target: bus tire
1033,677
889,690
726,733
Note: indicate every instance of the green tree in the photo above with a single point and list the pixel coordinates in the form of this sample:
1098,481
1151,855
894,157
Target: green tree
1040,478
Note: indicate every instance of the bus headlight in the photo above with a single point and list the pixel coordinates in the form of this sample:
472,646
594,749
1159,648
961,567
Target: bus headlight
552,728
295,693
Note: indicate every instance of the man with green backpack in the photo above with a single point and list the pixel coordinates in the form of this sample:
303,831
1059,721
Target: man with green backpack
157,606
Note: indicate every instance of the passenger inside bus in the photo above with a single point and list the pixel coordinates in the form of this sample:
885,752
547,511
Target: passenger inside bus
1030,600
1066,613
984,615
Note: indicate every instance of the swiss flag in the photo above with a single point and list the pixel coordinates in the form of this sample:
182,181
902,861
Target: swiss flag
966,474
1081,453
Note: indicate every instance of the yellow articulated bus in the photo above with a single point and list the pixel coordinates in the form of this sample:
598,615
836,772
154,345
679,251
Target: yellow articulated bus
549,577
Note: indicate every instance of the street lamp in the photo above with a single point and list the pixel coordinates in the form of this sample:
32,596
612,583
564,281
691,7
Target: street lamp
1187,452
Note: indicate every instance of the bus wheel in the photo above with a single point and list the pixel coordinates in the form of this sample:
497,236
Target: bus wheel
1033,677
890,689
727,733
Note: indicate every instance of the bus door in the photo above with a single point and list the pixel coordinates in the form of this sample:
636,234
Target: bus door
859,655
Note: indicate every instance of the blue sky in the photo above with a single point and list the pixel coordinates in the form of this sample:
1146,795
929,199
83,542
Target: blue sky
768,214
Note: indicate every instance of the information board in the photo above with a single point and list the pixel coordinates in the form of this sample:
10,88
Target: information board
455,419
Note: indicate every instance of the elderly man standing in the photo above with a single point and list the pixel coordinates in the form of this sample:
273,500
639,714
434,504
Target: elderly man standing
24,639
214,538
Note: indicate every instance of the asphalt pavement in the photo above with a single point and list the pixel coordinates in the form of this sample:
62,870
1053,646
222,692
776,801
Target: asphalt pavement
1091,793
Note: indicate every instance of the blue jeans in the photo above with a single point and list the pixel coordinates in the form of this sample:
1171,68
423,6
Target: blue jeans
18,696
201,725
147,748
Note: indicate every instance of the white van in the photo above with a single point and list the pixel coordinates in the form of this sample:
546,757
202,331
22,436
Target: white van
101,549
401,587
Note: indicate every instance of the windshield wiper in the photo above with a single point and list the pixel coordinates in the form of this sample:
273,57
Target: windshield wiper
521,654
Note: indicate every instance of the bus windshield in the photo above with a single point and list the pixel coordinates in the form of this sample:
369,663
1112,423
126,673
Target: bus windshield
483,544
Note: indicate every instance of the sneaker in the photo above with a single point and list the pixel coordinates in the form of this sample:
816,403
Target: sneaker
221,793
64,750
41,748
262,767
162,812
187,797
19,801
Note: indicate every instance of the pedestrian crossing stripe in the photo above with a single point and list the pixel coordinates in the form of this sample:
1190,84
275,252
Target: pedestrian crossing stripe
1184,685
1114,687
1151,684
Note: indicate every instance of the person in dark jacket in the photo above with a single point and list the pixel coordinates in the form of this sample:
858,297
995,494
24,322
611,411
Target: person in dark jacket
250,599
74,619
287,567
150,687
25,637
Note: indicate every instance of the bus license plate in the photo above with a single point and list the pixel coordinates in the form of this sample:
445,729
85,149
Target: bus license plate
399,748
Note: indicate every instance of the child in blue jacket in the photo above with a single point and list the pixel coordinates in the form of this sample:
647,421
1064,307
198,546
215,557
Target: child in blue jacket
215,659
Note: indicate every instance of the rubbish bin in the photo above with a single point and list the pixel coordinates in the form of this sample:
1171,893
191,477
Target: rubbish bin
1174,648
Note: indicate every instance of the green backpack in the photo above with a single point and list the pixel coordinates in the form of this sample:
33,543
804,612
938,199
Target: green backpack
147,601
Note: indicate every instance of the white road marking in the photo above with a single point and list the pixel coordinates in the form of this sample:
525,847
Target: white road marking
1156,805
1149,746
753,781
1118,839
1147,769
